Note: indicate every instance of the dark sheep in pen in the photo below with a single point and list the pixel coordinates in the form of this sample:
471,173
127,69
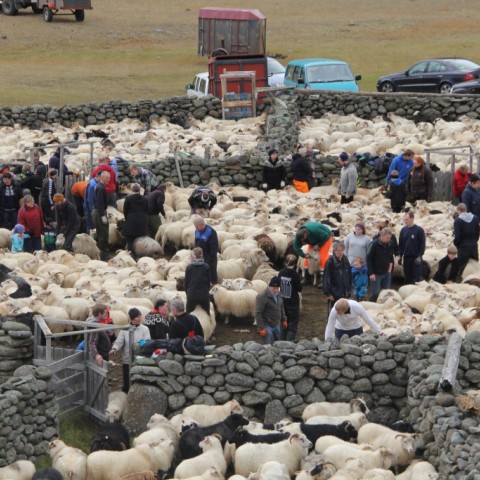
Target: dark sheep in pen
242,436
345,430
112,436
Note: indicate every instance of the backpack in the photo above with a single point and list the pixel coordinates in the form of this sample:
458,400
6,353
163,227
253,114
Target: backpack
382,163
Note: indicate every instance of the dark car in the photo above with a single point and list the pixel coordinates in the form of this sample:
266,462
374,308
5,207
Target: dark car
435,75
467,87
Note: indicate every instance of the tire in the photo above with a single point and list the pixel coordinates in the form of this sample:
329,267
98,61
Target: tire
8,8
387,87
36,10
445,88
79,15
47,14
219,51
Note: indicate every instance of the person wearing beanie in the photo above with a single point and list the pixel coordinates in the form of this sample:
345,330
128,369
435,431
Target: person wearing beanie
140,332
356,243
396,192
68,221
269,312
347,187
17,236
274,173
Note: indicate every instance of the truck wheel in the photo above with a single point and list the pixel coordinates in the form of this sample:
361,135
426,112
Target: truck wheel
47,14
37,10
79,15
8,7
219,51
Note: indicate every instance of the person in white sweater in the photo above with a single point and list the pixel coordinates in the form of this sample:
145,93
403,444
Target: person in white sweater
356,243
346,319
141,332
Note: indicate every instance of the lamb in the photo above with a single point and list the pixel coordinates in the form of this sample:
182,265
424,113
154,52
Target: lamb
70,462
239,303
112,436
19,470
212,456
352,470
357,419
381,458
323,443
344,431
419,470
147,247
378,474
206,415
105,465
117,402
271,471
335,409
250,457
159,428
402,444
210,474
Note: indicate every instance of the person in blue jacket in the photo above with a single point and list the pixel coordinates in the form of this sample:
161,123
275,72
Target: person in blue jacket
471,195
206,238
403,164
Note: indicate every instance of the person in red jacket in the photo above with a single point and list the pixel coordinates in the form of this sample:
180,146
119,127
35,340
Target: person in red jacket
111,186
460,180
31,217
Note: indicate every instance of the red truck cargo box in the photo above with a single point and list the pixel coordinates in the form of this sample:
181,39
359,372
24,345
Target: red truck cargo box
236,63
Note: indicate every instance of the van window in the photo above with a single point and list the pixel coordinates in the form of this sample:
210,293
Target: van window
289,72
301,75
329,73
296,73
203,86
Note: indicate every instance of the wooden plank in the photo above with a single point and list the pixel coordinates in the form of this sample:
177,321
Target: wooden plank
66,362
71,382
70,399
236,103
96,413
70,411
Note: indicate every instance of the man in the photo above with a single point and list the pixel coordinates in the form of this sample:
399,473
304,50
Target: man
144,177
411,248
380,261
78,192
337,276
68,220
99,214
202,198
111,187
403,164
206,238
136,217
471,195
185,325
290,288
88,203
99,343
156,201
318,236
10,195
157,320
348,179
197,282
301,170
269,312
141,332
466,231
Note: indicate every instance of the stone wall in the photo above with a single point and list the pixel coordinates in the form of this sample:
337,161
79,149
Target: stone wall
397,377
28,412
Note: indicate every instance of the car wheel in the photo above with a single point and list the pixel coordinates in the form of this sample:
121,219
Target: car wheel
445,87
47,14
79,15
8,8
387,87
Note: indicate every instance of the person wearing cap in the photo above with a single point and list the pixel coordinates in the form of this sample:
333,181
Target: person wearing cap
348,179
111,186
269,312
290,287
10,195
156,201
301,170
274,174
141,332
337,275
397,192
135,210
206,238
420,181
411,243
68,221
184,324
147,179
99,214
471,195
346,318
202,198
356,243
18,237
197,282
99,343
31,217
49,189
403,164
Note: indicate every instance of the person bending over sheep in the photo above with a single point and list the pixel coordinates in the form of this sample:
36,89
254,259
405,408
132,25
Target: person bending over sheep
185,325
202,198
68,220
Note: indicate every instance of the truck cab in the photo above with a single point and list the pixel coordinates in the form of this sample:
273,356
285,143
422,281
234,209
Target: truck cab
199,86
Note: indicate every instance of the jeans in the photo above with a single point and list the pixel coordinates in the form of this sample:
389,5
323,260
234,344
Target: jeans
383,281
292,312
273,334
340,333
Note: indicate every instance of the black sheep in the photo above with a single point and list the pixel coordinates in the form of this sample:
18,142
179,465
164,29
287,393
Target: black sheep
24,290
189,440
345,430
48,473
112,436
242,436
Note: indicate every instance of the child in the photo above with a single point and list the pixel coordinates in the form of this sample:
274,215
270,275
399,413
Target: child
396,192
447,267
18,236
360,279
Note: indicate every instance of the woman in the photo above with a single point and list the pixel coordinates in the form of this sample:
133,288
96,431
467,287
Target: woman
460,181
290,287
31,217
273,172
135,210
420,182
197,282
49,189
356,243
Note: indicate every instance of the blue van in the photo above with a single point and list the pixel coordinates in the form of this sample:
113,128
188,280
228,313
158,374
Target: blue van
321,74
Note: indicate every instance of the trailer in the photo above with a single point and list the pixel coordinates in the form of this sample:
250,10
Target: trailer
49,8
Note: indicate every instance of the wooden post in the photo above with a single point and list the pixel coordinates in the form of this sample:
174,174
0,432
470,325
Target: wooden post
450,367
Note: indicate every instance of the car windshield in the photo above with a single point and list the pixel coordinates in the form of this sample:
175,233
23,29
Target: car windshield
329,73
274,66
464,65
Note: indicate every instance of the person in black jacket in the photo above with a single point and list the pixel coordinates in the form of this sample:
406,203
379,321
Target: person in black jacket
206,238
197,282
447,267
185,325
135,210
397,192
471,195
156,200
274,173
10,195
34,182
68,221
290,287
99,343
411,249
301,170
49,189
337,276
466,232
202,198
99,214
157,320
380,262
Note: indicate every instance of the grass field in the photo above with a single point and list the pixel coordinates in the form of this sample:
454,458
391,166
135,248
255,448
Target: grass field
147,48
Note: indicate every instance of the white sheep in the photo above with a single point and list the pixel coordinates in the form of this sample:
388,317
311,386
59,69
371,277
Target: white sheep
19,470
117,402
326,441
352,470
378,474
159,428
210,474
147,247
207,321
211,456
419,470
271,470
381,458
239,303
206,415
334,408
250,457
357,419
69,461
